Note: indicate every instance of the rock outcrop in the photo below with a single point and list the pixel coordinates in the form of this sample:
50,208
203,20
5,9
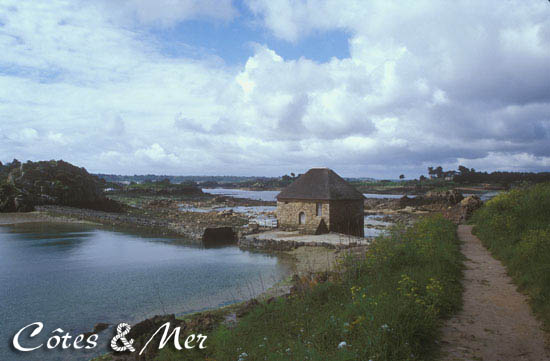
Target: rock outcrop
461,212
469,205
451,197
26,185
447,198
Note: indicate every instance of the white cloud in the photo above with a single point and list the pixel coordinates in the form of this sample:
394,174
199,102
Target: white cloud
169,12
156,153
57,138
24,135
426,82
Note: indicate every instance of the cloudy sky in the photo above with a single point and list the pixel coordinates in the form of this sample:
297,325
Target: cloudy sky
265,87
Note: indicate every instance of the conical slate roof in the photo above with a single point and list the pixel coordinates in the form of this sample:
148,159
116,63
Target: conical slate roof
320,184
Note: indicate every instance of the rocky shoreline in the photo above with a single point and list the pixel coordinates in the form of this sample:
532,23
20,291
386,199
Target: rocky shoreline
122,220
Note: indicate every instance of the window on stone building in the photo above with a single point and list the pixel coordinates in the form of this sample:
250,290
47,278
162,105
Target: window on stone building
302,218
319,209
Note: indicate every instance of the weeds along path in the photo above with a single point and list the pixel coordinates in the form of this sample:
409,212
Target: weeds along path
496,322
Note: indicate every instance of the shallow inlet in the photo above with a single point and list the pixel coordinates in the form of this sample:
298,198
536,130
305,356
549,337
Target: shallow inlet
73,276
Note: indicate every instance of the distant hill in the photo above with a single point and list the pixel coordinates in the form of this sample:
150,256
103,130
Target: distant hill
26,185
223,181
114,178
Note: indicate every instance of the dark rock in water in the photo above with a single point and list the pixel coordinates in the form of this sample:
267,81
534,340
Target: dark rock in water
219,236
144,330
100,327
150,325
24,186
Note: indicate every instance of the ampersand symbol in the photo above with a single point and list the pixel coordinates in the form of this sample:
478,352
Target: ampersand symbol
121,331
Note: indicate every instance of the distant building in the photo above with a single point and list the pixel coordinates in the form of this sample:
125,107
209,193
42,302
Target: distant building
320,201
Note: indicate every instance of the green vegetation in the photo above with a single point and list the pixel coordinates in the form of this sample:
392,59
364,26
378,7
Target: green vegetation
465,176
26,185
385,306
515,226
414,186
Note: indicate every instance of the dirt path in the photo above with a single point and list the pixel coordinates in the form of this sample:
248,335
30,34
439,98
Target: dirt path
496,322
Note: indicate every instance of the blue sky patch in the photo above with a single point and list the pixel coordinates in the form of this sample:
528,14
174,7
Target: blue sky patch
231,41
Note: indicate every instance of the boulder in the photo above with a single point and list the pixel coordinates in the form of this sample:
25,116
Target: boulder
469,205
433,199
450,197
100,327
150,325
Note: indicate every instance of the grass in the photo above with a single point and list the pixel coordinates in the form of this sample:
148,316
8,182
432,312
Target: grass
515,227
385,306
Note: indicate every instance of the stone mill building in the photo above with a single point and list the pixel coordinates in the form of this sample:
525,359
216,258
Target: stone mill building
320,201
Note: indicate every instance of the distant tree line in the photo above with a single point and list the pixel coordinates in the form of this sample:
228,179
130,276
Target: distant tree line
466,175
203,181
141,178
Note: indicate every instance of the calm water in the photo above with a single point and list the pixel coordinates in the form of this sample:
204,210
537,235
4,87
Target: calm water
241,193
270,195
73,276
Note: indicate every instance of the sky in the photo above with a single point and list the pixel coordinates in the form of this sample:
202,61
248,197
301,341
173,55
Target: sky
370,88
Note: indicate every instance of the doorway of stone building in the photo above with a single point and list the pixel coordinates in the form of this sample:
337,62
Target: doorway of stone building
302,218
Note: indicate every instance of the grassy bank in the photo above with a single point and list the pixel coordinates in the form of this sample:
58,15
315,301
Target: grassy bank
515,226
385,306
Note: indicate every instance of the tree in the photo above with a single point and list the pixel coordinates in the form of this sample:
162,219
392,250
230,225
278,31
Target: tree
439,172
402,176
463,170
422,178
